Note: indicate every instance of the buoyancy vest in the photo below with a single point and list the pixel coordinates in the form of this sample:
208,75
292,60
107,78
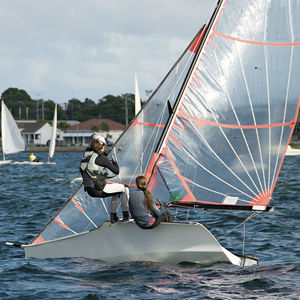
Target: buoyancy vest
97,173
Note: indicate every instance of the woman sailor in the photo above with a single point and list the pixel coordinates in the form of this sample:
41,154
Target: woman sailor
93,168
143,209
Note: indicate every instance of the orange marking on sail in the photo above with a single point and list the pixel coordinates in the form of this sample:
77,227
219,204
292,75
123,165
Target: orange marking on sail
201,122
62,224
175,140
181,178
197,80
262,199
38,240
195,45
136,122
151,165
77,205
290,137
256,42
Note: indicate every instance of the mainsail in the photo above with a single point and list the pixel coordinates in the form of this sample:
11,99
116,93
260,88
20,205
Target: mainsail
215,131
12,140
53,134
235,116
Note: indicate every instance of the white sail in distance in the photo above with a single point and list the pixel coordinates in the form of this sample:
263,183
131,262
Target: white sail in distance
12,141
53,134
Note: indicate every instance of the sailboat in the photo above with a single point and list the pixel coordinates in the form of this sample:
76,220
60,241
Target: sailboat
215,133
51,150
53,136
292,151
12,141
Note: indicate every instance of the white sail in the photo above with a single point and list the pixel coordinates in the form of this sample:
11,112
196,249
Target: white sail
53,135
12,141
137,95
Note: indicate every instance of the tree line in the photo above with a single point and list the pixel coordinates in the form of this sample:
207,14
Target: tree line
23,107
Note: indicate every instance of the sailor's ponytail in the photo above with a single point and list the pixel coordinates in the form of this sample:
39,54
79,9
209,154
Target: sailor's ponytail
141,183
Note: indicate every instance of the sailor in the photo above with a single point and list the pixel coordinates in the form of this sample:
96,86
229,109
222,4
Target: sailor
33,158
93,167
143,208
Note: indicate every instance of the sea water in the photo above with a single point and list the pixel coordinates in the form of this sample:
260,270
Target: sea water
31,195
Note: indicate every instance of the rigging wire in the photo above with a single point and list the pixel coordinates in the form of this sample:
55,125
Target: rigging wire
246,220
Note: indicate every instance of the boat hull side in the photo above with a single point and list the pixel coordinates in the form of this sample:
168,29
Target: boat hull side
122,242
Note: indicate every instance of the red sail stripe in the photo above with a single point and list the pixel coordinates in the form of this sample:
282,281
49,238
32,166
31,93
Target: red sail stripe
201,123
262,199
195,45
62,224
38,240
255,42
175,140
290,137
77,205
136,122
151,166
180,177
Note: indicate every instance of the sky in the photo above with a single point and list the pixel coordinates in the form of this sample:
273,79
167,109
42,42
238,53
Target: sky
63,49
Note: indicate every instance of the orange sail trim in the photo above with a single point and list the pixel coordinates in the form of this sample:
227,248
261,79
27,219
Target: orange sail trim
190,195
136,122
151,165
262,199
62,224
290,137
38,240
77,205
228,37
195,45
201,123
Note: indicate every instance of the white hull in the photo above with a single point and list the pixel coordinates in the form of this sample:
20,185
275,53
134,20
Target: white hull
33,163
292,152
5,162
122,242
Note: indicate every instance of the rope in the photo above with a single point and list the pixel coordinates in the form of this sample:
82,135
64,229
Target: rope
244,222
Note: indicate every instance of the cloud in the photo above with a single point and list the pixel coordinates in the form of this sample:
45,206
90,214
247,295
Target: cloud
91,48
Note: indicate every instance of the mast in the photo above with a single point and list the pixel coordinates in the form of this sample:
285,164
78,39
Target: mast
173,110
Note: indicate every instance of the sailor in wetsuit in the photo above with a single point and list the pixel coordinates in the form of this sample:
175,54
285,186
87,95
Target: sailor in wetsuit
93,168
143,209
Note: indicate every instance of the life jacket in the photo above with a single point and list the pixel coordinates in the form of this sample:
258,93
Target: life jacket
97,173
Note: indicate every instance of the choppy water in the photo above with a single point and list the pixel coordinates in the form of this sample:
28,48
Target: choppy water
30,195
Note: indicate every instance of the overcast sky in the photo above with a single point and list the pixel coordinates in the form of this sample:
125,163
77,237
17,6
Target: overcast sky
60,49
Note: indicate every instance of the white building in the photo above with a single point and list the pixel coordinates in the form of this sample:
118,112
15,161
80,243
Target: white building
80,134
35,133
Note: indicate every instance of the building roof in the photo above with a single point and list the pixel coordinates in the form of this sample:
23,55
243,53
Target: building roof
88,125
30,127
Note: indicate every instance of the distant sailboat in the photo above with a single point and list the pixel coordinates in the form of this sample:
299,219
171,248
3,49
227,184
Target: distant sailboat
292,151
12,141
53,136
214,136
51,145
